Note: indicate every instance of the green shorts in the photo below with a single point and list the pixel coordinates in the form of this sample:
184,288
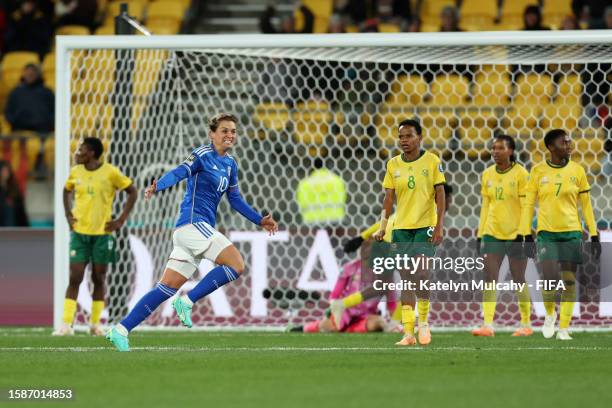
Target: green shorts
97,249
502,247
560,246
418,240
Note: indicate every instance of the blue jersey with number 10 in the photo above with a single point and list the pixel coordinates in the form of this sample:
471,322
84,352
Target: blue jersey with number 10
209,176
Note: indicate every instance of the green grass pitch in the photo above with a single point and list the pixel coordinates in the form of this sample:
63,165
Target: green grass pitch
229,369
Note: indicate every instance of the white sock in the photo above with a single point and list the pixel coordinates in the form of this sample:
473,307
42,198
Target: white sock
187,301
121,330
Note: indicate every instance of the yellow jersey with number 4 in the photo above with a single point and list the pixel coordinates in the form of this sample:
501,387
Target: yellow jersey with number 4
557,190
502,197
94,191
414,184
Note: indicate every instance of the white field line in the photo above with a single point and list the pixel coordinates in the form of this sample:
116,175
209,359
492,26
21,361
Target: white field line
299,349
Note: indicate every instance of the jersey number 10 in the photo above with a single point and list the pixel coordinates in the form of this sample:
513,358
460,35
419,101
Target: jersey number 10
223,182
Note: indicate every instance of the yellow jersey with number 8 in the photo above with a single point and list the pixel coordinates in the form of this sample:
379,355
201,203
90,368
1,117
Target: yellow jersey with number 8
414,184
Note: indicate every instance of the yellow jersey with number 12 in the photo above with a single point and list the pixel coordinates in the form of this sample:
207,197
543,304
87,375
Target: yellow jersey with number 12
94,191
414,184
502,197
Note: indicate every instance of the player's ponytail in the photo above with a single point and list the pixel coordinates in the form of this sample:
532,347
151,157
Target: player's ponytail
509,140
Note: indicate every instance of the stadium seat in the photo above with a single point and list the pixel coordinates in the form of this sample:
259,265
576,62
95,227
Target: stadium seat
492,87
168,10
561,115
105,30
5,126
164,28
512,13
388,28
96,76
311,127
554,11
146,73
438,128
322,11
271,116
48,70
431,9
49,153
136,9
12,67
477,130
570,89
449,90
533,89
407,89
521,119
72,30
478,15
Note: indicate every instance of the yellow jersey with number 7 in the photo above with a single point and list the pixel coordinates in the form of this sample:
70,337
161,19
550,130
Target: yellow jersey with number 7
557,190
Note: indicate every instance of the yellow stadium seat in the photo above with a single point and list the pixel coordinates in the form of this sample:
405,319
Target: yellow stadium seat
105,30
271,116
72,30
533,88
559,115
312,106
146,73
554,11
320,8
351,28
96,78
33,146
165,9
570,89
48,70
431,9
311,127
136,9
12,69
521,119
407,89
388,28
170,27
5,126
449,90
477,129
437,128
492,88
512,13
478,14
49,153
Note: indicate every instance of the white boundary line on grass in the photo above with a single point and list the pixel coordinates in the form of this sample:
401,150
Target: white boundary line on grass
290,349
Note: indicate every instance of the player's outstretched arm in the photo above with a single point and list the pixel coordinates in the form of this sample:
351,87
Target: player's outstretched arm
269,224
149,191
67,208
437,236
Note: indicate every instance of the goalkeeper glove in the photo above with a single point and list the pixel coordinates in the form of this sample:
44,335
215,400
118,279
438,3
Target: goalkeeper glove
529,247
352,245
595,246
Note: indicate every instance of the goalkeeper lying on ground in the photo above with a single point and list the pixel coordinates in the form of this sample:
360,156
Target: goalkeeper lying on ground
362,318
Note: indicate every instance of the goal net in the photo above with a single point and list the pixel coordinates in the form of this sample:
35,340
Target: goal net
301,98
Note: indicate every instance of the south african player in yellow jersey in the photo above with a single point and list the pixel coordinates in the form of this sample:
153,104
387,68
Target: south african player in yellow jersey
503,188
93,184
416,181
557,185
340,305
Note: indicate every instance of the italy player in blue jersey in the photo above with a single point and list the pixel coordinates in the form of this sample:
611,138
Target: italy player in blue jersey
210,172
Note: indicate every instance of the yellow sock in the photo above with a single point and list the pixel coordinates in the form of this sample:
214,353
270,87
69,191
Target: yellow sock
568,298
97,307
397,313
408,319
352,300
70,306
549,300
423,307
524,303
489,301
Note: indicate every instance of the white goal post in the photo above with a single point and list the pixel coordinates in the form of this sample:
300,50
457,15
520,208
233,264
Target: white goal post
420,58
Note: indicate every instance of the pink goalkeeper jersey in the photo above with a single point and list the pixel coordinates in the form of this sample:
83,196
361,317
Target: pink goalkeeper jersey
350,282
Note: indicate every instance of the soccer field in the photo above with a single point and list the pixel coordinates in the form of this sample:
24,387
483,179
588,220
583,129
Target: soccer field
217,369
